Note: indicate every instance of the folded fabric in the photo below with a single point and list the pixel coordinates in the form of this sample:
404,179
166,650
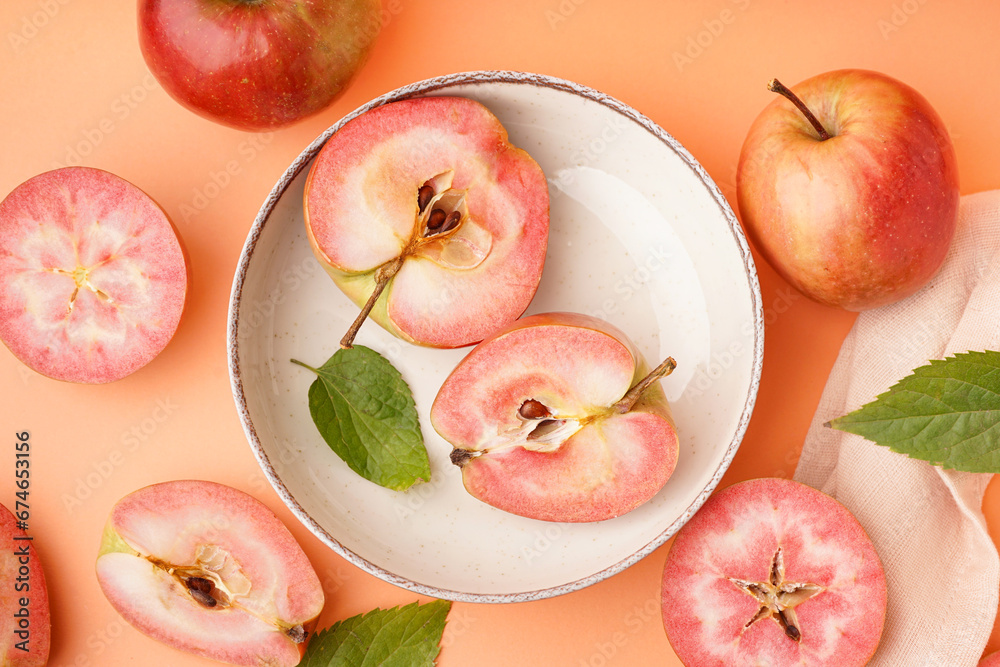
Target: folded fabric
927,524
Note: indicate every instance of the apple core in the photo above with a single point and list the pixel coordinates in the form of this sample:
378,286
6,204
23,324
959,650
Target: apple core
93,277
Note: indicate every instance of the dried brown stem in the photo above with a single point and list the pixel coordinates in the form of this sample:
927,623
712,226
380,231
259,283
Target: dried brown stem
633,394
776,86
383,275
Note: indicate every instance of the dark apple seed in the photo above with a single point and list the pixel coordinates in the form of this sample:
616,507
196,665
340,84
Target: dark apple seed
199,584
424,196
201,590
435,220
205,599
532,409
791,631
451,221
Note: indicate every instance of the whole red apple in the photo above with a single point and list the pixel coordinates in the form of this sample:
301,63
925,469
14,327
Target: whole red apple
856,206
256,64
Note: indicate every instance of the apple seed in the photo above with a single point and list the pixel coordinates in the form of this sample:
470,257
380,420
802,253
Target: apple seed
424,196
532,409
435,220
199,584
451,221
201,590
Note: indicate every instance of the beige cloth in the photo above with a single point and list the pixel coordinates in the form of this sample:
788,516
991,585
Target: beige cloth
927,523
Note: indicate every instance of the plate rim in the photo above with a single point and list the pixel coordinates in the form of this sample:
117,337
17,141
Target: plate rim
421,88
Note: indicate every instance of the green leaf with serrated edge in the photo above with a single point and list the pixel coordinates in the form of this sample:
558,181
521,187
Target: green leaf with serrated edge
365,411
947,413
407,636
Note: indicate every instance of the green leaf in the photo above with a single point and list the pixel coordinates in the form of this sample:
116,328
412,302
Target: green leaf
365,411
947,413
407,636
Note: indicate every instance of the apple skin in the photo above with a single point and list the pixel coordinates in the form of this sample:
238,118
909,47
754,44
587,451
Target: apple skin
992,660
579,367
256,64
864,218
13,543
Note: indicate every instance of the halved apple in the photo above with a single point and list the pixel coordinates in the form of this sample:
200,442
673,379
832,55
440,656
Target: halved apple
92,275
773,572
208,569
25,632
423,213
555,418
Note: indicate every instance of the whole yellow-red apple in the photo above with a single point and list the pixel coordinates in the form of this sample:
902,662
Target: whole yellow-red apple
855,206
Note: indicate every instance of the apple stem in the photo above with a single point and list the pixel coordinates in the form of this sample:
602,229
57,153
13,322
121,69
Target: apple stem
776,86
383,275
633,394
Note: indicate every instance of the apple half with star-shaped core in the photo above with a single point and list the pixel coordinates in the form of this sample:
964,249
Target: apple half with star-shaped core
92,275
428,218
773,572
849,188
25,631
208,569
555,418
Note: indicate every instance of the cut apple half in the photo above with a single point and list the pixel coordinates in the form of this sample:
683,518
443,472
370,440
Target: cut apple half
555,418
25,631
208,569
773,572
92,276
428,218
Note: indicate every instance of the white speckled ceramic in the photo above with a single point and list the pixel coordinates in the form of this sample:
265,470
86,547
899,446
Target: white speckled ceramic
639,235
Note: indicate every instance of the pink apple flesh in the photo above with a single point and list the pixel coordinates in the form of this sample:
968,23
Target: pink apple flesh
22,580
210,570
772,572
92,276
861,219
578,459
364,210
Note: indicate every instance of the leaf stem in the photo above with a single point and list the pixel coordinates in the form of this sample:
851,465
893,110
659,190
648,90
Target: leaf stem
633,394
383,275
776,86
304,365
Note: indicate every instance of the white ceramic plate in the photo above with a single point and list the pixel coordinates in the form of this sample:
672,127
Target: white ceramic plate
639,235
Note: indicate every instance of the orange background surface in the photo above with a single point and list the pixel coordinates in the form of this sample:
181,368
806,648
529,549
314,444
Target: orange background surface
72,81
